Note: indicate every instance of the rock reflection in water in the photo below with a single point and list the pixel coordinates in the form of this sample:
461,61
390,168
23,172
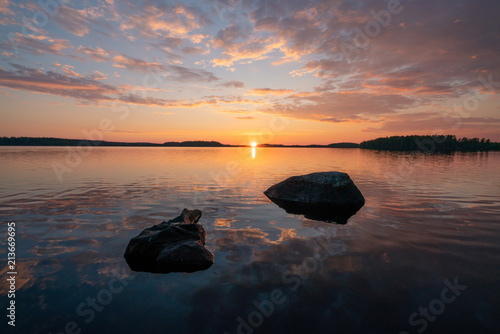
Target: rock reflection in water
326,213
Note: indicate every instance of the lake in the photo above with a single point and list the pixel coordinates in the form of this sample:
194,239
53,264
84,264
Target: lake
422,255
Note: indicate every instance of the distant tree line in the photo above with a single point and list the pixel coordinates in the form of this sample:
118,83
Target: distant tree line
344,145
50,141
430,144
37,141
335,145
195,143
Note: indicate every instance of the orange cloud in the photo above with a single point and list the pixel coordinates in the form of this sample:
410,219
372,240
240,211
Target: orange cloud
89,89
269,91
68,84
179,21
222,62
244,52
246,117
98,54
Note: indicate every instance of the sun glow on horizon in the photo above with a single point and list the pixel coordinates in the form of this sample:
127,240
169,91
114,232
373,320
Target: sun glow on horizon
253,145
243,82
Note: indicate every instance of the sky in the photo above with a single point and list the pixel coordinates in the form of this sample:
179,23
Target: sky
237,71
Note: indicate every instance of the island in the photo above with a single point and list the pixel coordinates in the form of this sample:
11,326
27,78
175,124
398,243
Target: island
51,141
430,144
420,143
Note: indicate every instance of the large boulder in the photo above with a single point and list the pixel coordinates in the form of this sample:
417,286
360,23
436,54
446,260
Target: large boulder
174,246
326,196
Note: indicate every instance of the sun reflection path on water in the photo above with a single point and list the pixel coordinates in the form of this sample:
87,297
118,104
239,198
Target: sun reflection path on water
253,145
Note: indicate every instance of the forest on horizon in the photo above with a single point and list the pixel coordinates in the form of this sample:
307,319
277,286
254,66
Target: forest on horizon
430,144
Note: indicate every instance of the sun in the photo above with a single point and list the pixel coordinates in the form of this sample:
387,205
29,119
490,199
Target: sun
253,144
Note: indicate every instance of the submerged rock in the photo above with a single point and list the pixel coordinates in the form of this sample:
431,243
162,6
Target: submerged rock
174,246
326,196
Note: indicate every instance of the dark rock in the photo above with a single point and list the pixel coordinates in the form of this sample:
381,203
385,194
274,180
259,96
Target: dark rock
174,246
326,196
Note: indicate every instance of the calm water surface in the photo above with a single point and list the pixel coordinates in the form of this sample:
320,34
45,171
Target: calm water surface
427,219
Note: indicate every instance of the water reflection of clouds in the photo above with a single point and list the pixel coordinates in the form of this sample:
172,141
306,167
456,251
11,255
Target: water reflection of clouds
252,249
238,245
85,229
254,280
223,222
382,262
64,219
24,281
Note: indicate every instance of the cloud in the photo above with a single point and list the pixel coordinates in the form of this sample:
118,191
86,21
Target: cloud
184,74
423,58
67,85
191,50
232,34
222,62
282,61
121,60
4,8
433,122
98,54
269,91
7,21
157,18
245,117
137,65
340,107
99,76
233,84
80,22
242,44
170,42
144,100
74,21
256,48
88,89
299,24
175,72
214,101
37,45
429,54
427,49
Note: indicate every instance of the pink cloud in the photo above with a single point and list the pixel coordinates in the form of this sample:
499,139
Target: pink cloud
4,8
38,44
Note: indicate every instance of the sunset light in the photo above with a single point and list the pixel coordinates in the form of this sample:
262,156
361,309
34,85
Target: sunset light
297,72
250,166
